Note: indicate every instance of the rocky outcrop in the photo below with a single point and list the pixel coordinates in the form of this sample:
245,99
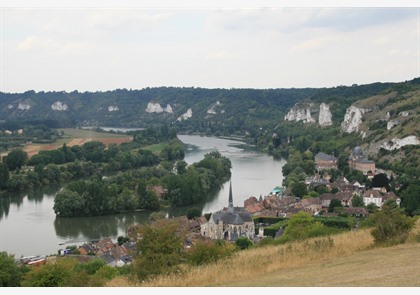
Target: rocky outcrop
396,143
59,106
325,116
9,106
113,108
212,110
185,116
24,106
156,108
391,124
168,109
352,119
299,113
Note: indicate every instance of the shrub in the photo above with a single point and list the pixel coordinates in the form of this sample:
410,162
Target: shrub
391,225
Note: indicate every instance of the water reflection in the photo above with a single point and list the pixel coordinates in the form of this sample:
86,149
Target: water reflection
97,227
16,198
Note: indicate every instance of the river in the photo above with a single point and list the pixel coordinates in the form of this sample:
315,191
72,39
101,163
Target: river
28,225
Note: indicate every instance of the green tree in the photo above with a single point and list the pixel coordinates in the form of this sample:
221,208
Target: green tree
193,212
243,243
333,204
299,189
205,252
58,274
4,175
301,226
10,272
16,159
410,198
391,225
160,247
357,201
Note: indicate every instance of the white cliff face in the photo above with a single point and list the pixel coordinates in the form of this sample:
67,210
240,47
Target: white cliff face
113,109
186,115
396,143
168,109
9,106
59,106
325,116
299,114
212,110
24,106
391,124
154,108
352,119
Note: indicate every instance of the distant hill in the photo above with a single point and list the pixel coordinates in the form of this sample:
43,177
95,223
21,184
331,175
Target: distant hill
223,111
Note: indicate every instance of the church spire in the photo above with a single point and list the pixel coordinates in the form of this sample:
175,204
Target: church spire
230,208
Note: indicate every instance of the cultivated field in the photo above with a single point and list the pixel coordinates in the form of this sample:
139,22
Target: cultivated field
73,136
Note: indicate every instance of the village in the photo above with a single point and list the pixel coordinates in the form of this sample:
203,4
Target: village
233,222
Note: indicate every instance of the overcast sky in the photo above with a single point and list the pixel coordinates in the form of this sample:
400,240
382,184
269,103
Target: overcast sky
91,49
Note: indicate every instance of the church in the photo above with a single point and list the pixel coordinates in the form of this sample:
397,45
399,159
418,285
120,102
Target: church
229,224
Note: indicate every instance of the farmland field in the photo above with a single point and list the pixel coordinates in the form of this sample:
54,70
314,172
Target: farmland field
73,136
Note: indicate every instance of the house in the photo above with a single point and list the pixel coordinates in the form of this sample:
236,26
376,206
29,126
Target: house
311,205
343,197
356,211
379,197
104,246
87,248
229,224
358,161
250,201
325,161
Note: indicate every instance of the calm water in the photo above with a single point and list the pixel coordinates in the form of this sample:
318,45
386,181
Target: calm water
28,225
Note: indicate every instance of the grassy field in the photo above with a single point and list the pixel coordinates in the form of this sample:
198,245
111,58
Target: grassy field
345,260
155,148
73,136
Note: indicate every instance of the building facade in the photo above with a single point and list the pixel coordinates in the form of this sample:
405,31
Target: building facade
229,224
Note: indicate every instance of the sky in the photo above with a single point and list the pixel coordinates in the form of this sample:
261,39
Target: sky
86,46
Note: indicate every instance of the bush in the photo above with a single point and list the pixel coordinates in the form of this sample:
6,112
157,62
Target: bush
193,212
391,225
205,252
243,243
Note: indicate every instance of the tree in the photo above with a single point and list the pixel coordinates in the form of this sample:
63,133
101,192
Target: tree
357,201
333,204
204,252
4,175
299,189
391,225
16,159
193,212
410,198
300,226
243,243
10,273
160,249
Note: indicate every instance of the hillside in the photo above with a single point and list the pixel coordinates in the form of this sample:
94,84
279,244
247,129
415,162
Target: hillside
345,260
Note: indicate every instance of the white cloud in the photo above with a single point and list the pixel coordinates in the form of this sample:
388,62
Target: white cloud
315,43
138,19
221,55
381,41
49,46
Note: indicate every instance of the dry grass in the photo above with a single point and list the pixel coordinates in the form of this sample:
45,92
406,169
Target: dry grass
77,137
350,259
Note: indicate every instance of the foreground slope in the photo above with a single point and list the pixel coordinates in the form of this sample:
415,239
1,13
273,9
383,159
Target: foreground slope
344,260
